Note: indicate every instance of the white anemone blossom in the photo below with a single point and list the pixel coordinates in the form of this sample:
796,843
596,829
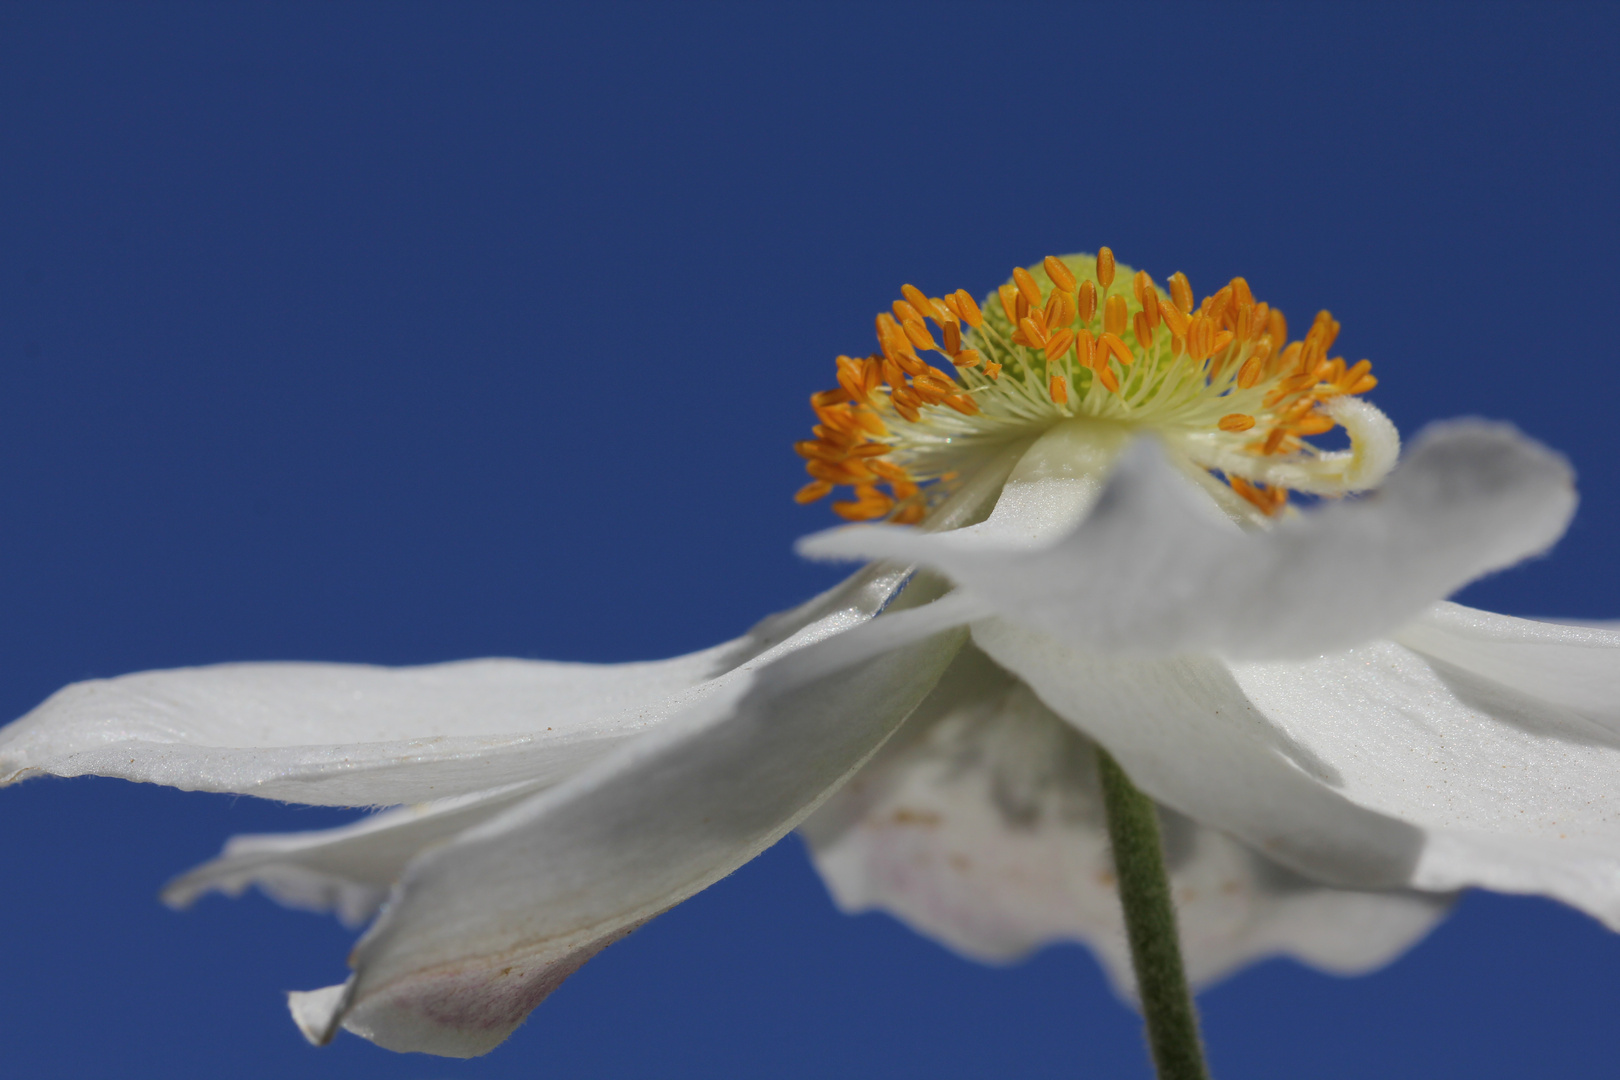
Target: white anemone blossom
1086,541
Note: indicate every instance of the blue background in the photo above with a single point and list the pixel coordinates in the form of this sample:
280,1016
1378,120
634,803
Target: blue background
407,333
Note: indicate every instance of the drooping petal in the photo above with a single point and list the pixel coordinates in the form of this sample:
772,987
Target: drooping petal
1186,733
481,928
347,870
981,824
1513,791
1153,570
1376,766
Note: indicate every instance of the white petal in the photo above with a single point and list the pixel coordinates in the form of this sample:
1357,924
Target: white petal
1153,570
359,735
480,928
1185,732
349,734
1571,665
981,824
350,869
347,870
1376,766
1513,791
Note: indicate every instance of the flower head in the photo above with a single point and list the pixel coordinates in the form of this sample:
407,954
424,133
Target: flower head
1070,339
1336,749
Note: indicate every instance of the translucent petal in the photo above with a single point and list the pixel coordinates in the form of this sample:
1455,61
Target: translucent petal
478,930
981,825
1154,569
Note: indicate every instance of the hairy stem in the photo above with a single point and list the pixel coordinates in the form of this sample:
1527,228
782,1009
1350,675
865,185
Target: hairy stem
1150,923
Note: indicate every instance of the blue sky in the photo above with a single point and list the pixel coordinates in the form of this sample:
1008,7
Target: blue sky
403,333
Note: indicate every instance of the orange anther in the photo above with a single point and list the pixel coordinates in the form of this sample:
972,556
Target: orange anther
904,312
1026,286
1314,424
909,363
1032,333
1243,321
828,397
903,489
1150,306
1290,356
1061,275
1106,376
1249,373
1085,348
962,403
910,514
870,422
1008,294
1240,291
1200,337
1222,340
1298,409
815,489
1105,267
1267,500
1144,330
953,338
1141,286
992,371
1059,309
892,373
1236,422
954,306
968,308
1181,293
966,358
1362,385
1114,315
1059,342
1262,350
888,470
1087,301
863,510
870,450
1276,326
1349,378
917,299
1058,387
826,470
1114,344
919,335
1174,318
813,450
906,410
1273,441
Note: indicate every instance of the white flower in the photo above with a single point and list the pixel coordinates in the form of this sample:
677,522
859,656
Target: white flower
1336,751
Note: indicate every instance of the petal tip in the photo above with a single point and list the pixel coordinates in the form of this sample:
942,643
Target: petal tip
319,1012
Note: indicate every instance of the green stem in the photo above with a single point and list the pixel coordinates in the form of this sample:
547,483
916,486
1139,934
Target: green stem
1150,923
